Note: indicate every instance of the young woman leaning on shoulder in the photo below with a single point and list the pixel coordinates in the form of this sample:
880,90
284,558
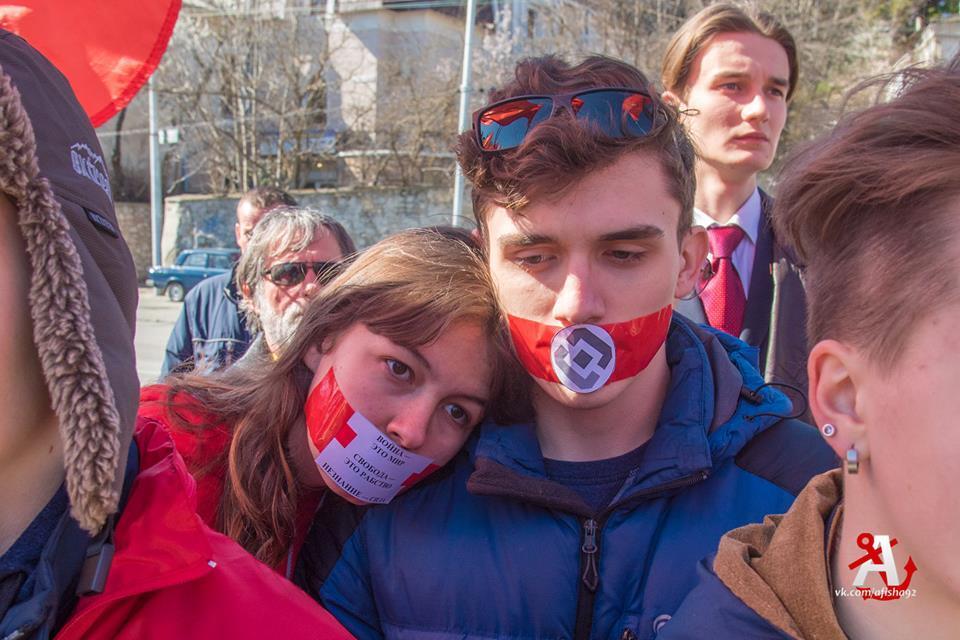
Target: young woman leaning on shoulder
394,363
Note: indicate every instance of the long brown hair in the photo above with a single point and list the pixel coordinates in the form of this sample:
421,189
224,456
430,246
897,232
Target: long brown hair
408,288
695,34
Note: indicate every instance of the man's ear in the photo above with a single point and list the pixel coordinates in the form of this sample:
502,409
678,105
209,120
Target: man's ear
475,234
672,99
833,369
247,293
693,254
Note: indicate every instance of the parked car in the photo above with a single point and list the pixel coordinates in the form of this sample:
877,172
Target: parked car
191,266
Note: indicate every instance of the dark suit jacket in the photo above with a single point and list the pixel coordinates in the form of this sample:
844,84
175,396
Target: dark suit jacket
775,318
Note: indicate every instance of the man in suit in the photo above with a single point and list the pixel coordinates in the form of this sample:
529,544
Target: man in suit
732,72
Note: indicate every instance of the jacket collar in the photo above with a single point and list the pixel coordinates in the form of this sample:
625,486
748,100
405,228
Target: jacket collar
780,569
705,420
59,565
230,291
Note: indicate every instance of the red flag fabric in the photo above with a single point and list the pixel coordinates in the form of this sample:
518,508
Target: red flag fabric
106,48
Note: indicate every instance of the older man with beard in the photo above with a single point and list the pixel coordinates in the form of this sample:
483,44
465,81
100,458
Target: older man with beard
292,253
211,332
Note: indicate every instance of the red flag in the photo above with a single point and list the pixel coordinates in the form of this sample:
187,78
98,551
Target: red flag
106,48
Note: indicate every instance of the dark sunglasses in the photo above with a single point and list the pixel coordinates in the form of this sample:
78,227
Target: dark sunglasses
616,112
290,274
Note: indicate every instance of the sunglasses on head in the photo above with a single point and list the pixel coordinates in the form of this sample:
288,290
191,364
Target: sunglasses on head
289,274
615,112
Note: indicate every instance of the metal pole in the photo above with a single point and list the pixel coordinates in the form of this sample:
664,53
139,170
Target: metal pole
156,187
464,123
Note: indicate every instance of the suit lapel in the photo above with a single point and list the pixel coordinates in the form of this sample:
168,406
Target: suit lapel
756,317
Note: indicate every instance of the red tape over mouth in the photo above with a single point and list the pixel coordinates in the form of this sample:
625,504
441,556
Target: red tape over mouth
326,411
355,455
635,342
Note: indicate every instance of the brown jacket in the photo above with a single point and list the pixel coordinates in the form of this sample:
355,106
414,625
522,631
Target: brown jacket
780,568
770,580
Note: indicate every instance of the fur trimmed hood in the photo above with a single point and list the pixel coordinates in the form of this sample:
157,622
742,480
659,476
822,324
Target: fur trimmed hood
83,289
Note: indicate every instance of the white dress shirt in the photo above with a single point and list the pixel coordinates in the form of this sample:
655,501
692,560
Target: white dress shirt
747,218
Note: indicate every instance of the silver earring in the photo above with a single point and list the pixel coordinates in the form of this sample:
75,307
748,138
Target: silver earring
828,430
853,460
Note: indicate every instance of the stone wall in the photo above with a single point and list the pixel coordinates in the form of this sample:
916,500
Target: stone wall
134,221
368,213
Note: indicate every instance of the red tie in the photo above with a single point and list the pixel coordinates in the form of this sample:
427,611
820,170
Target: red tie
723,297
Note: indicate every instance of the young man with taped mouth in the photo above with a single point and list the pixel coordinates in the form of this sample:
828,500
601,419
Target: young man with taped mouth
649,436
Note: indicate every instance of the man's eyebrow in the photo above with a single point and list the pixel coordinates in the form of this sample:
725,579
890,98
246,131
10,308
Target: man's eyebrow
730,74
639,232
523,240
779,82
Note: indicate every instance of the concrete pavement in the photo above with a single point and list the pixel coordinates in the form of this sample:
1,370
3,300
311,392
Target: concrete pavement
155,319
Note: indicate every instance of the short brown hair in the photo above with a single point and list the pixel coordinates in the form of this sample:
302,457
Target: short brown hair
560,151
266,198
867,208
695,34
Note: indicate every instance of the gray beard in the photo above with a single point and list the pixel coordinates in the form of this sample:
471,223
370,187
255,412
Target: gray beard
278,328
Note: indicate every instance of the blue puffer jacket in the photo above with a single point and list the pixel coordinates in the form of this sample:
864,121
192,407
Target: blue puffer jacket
210,332
495,550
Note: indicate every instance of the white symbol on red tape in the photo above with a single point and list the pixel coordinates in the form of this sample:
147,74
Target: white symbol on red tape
368,465
583,357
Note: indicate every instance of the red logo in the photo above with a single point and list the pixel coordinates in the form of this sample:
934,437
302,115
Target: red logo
879,559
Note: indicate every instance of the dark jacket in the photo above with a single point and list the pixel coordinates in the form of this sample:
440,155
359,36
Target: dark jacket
770,580
496,549
210,333
775,317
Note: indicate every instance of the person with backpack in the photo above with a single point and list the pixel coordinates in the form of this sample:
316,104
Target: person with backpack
99,535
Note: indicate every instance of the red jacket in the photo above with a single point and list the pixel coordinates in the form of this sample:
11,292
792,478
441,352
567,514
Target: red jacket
174,577
199,447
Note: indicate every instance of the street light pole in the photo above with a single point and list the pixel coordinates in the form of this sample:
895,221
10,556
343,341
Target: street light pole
464,124
156,186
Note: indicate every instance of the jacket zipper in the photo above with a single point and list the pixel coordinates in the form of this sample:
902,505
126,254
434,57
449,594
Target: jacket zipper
589,578
590,553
